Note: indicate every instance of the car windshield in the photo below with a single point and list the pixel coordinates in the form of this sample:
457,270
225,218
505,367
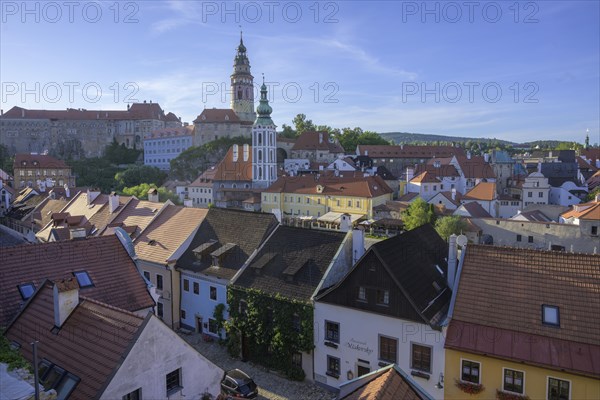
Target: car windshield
247,387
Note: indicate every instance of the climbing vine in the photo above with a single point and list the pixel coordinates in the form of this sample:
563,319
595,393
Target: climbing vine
219,317
274,326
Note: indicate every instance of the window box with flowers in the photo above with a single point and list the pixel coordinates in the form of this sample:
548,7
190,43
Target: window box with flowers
469,388
500,395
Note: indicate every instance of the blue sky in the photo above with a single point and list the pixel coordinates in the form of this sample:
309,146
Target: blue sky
515,71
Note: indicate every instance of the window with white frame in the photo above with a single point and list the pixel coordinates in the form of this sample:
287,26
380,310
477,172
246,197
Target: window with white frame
470,371
513,381
558,389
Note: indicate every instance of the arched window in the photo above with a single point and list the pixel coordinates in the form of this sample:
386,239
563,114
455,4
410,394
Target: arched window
260,138
259,173
260,155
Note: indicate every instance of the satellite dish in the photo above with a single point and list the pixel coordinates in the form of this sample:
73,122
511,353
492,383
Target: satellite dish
462,240
125,241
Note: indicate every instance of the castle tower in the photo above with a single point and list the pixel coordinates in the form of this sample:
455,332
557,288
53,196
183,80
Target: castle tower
264,144
242,85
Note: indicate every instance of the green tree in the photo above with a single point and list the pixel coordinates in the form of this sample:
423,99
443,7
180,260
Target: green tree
139,174
119,154
95,172
141,192
449,225
592,195
302,124
418,213
6,160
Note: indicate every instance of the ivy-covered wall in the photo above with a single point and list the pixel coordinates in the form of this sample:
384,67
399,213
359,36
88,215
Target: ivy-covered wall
275,328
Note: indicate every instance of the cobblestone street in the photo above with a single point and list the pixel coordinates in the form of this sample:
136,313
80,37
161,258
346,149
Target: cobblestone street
271,386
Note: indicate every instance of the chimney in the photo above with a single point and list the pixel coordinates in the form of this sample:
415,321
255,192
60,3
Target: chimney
91,196
66,298
153,195
539,167
366,152
468,155
345,222
597,198
486,157
22,113
598,163
410,173
320,137
67,191
452,257
358,244
113,202
453,194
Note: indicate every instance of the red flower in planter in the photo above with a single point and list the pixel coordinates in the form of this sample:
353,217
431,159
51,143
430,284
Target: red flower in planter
469,388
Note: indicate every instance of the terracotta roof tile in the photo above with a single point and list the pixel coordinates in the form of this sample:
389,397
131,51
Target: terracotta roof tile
475,210
409,151
136,111
485,191
360,186
137,213
496,281
37,161
217,115
114,274
232,168
387,384
585,211
172,132
93,361
167,232
317,141
425,177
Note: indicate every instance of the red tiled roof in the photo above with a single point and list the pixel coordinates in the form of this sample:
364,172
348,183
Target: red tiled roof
317,141
475,167
409,151
230,169
485,191
91,343
136,111
587,211
170,132
361,186
170,117
475,210
425,177
496,281
114,274
218,115
37,161
385,385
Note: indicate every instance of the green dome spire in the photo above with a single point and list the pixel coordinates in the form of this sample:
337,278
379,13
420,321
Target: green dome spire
264,110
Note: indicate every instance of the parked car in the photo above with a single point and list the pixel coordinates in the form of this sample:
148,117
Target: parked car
236,384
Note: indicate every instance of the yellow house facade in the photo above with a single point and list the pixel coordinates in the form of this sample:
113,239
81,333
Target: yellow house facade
307,196
514,378
523,323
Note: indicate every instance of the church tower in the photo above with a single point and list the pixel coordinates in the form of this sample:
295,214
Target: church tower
242,85
264,144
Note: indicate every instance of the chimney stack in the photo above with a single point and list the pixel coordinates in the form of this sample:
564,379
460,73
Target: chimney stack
153,195
320,137
597,198
345,222
410,173
358,244
67,191
113,202
453,194
452,257
66,298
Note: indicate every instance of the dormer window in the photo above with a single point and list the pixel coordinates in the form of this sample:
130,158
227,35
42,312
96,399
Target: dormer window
26,290
83,279
550,315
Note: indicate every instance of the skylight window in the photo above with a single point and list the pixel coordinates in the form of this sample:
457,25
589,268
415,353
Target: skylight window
83,279
550,315
26,290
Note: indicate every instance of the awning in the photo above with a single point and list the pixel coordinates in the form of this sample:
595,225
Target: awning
335,217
